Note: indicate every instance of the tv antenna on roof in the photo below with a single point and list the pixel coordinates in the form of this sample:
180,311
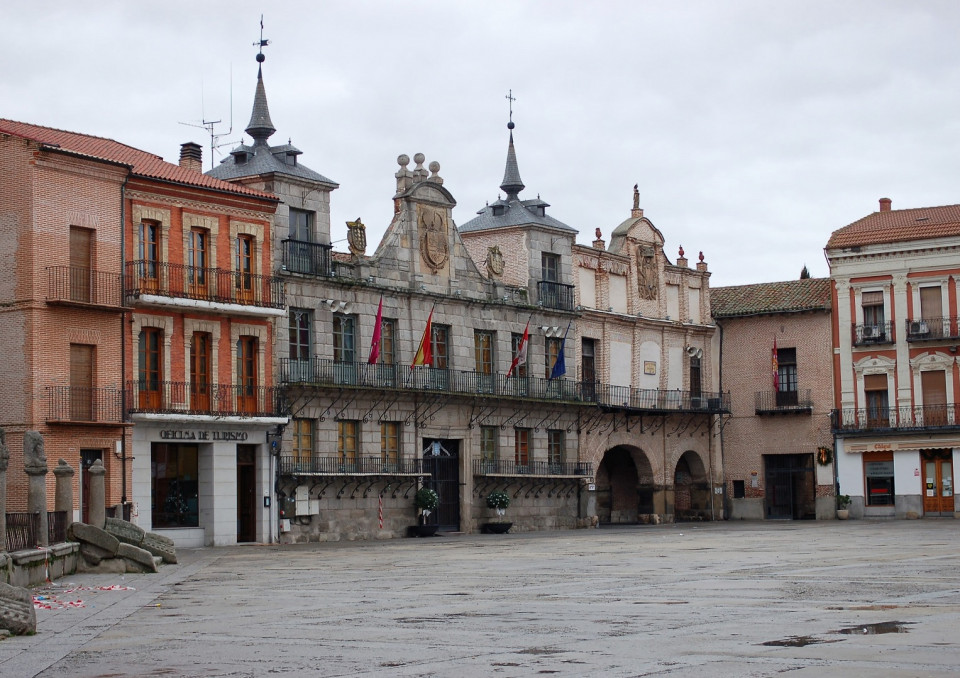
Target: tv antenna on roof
209,125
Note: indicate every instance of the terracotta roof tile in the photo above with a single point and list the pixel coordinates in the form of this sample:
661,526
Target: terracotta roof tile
791,296
144,164
898,226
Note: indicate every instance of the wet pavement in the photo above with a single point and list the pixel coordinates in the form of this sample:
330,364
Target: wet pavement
792,599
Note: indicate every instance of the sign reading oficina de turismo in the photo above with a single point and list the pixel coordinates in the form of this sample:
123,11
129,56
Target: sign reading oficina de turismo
176,434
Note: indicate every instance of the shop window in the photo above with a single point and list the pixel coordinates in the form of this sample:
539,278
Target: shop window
878,474
174,490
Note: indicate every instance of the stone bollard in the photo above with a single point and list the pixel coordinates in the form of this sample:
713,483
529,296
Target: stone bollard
35,466
98,498
4,462
63,494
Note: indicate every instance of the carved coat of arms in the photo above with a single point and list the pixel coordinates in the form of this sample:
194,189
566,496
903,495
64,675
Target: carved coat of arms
495,261
647,277
357,237
433,237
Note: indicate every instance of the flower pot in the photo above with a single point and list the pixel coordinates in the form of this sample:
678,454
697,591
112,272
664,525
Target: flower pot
496,528
426,530
843,514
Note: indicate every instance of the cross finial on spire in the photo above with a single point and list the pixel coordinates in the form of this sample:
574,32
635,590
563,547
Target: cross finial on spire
511,99
261,44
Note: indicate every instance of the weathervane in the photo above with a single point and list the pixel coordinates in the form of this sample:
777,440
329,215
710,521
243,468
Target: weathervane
261,44
511,99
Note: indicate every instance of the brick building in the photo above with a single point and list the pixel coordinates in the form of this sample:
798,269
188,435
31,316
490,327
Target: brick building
155,314
775,341
896,276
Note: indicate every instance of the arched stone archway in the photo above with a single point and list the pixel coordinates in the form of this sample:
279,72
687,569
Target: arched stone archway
691,489
625,487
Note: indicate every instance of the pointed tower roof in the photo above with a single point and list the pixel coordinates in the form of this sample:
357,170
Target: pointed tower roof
512,183
260,126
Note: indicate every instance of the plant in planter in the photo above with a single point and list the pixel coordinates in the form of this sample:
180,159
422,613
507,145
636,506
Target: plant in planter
499,501
843,504
426,501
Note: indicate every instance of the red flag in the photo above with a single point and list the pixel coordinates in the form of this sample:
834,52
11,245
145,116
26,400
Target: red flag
776,367
521,357
424,354
375,343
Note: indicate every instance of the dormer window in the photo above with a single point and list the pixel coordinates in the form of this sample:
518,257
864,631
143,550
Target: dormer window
292,159
541,211
241,158
498,210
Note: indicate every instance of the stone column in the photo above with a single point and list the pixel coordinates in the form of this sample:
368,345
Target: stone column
63,497
4,461
98,497
35,466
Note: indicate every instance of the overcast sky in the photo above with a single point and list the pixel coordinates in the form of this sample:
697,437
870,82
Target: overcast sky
753,128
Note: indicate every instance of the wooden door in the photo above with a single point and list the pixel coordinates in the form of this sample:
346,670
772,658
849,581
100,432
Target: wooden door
245,268
200,371
247,368
934,386
937,482
81,382
246,493
151,368
149,266
81,263
197,257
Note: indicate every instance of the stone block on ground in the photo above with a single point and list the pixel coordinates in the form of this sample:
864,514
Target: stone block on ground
94,536
137,559
16,610
125,531
105,566
161,546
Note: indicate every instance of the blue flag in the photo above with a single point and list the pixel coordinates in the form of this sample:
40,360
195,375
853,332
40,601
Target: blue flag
560,366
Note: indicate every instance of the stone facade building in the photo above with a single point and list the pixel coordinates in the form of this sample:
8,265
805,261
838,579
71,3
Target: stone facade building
776,362
896,276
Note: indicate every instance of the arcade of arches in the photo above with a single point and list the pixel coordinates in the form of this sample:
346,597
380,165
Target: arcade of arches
628,493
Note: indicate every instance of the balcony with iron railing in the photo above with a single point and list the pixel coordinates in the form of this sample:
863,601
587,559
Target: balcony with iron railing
322,372
84,405
165,284
84,287
510,467
555,295
783,402
867,334
177,398
895,419
335,465
931,329
309,258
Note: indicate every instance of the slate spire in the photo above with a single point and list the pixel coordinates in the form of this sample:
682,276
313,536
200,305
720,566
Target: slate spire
260,126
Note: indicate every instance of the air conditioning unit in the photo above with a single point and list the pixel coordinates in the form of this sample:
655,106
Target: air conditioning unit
871,331
918,327
698,403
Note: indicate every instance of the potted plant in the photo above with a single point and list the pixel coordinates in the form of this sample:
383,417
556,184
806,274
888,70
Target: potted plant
426,501
843,502
498,501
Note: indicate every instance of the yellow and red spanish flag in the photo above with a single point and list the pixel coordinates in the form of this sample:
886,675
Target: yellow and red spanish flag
521,357
776,367
424,354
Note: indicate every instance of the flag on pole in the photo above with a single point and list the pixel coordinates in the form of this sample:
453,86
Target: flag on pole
521,357
377,330
424,354
776,367
560,365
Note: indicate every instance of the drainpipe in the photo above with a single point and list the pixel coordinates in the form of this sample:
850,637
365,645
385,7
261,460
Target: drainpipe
123,351
726,514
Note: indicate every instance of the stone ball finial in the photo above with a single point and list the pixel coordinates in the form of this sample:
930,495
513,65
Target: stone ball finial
434,166
419,158
261,58
403,160
510,125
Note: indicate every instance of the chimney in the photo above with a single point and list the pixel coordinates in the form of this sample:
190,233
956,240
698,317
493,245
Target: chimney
885,204
191,156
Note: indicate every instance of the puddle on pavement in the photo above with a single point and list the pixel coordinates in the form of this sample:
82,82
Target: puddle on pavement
794,641
876,629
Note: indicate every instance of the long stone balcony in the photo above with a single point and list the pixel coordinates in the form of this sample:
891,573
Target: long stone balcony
175,399
325,373
165,285
83,405
896,419
84,288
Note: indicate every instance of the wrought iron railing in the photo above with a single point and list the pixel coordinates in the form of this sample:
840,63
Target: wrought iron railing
57,524
84,404
222,400
84,286
23,530
896,418
203,284
931,329
337,465
510,467
326,372
298,256
873,333
555,295
783,401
